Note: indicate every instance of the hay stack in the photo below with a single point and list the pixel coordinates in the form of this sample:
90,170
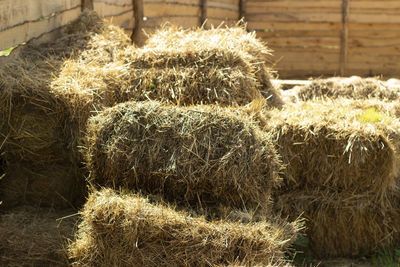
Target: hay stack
128,230
34,237
37,126
344,224
201,156
235,40
337,147
354,88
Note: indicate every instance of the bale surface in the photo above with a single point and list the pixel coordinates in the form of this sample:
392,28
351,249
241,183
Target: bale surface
235,40
336,146
354,87
126,230
343,224
201,156
34,237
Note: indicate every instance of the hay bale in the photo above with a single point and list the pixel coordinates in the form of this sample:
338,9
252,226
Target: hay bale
342,224
33,237
354,87
128,230
335,146
201,156
235,40
37,128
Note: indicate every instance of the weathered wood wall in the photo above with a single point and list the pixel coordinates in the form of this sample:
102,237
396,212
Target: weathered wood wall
120,12
374,38
22,20
307,36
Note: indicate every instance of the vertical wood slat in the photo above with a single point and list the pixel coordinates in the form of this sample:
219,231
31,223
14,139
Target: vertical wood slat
138,11
203,17
242,9
87,4
344,38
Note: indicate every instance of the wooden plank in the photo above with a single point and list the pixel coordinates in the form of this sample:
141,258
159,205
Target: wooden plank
280,26
17,12
124,20
137,33
203,14
161,10
87,4
223,14
296,17
297,33
106,9
183,21
25,32
242,10
333,42
344,38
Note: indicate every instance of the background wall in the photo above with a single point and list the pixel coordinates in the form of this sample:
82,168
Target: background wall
309,37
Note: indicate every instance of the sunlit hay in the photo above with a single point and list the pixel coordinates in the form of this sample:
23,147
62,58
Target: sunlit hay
196,156
122,230
333,145
35,237
342,224
36,126
235,40
354,87
186,76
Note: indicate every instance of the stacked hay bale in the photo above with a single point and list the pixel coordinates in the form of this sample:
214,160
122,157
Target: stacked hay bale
198,157
354,87
35,135
142,233
35,237
342,173
50,99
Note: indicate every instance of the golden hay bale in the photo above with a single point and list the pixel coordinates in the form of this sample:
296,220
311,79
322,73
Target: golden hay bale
336,146
37,128
235,40
126,230
354,87
342,224
201,155
34,237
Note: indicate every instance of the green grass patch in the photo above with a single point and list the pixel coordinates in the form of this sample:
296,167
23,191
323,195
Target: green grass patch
371,115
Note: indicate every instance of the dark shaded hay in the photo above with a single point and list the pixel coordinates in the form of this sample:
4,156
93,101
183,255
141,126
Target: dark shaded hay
37,128
354,88
235,40
34,237
343,224
126,230
201,156
49,185
335,146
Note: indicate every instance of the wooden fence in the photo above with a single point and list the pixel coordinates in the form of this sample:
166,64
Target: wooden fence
309,37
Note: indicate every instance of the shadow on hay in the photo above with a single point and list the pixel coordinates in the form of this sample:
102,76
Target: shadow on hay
35,133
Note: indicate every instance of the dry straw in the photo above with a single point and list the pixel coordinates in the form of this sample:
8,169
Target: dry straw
200,155
342,224
36,129
234,40
126,230
336,145
354,87
35,237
